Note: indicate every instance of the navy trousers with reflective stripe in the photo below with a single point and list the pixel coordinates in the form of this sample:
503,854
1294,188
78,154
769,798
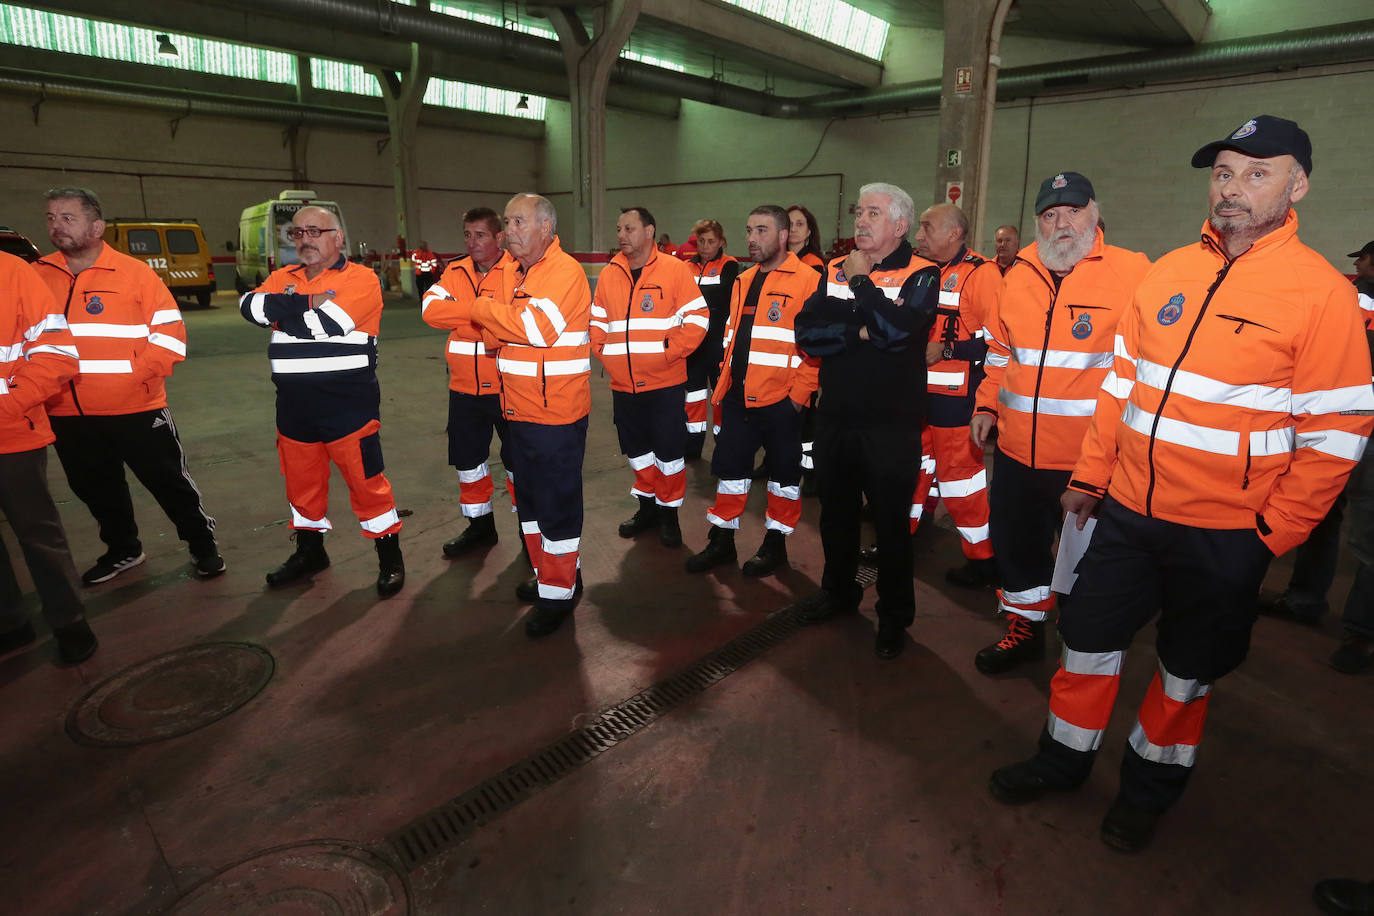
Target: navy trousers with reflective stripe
1202,582
548,471
471,419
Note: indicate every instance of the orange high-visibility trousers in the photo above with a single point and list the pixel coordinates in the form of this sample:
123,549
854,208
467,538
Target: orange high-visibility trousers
358,456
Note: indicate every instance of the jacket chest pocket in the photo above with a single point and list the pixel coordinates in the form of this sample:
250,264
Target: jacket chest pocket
97,305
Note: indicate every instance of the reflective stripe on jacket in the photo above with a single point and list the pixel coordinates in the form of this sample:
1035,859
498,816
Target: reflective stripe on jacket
539,322
777,369
1049,349
969,284
37,355
337,335
644,330
128,333
448,304
1240,391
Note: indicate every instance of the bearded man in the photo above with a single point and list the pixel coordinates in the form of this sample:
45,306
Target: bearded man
1050,341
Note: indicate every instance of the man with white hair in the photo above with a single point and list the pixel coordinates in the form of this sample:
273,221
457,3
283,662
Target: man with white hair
325,313
1237,404
867,323
1050,340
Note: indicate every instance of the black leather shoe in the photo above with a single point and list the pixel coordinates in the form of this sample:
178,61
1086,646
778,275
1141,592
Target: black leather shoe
889,642
1308,615
309,558
1020,783
1344,897
391,568
974,574
822,605
772,553
1127,828
719,550
645,517
75,643
17,638
1024,641
541,621
669,531
480,533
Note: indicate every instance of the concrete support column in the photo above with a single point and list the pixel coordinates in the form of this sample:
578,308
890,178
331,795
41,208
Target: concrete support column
403,95
589,60
968,95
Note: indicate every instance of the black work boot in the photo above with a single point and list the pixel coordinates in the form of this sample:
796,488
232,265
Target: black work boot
391,574
719,550
480,532
645,517
772,553
1025,641
669,531
308,558
974,574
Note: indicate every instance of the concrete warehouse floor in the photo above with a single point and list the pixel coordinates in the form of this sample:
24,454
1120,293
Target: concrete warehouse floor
815,779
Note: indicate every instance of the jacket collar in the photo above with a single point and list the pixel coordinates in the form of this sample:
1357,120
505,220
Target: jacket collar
104,260
1272,240
339,264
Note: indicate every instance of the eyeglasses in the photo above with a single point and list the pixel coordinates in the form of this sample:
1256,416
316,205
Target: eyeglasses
296,233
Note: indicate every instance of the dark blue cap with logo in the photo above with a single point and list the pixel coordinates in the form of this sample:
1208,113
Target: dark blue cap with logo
1068,188
1263,137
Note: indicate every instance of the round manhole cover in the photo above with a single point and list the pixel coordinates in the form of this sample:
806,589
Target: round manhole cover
322,876
170,694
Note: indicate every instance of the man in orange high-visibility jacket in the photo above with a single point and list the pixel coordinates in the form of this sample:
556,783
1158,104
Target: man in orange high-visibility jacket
969,285
1050,341
325,313
474,398
539,324
129,336
37,356
765,384
647,317
426,264
1238,402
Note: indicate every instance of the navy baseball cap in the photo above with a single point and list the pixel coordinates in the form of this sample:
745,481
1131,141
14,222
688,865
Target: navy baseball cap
1367,249
1068,188
1263,137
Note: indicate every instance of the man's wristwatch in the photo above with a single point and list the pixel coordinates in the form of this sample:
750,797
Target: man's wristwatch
855,280
947,352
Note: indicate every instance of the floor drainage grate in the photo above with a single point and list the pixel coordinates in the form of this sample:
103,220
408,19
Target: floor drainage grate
452,822
170,694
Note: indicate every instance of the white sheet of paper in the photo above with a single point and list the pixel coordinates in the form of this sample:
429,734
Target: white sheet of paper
1072,545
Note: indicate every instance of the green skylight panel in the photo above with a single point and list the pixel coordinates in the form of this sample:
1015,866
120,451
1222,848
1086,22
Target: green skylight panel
93,38
459,13
341,77
829,20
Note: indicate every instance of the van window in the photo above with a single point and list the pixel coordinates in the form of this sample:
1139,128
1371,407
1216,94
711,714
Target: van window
182,241
144,241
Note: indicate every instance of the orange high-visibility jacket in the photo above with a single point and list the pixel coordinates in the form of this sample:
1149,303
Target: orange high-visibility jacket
128,333
968,292
37,355
777,369
539,323
1240,393
643,331
337,335
425,261
1049,349
448,304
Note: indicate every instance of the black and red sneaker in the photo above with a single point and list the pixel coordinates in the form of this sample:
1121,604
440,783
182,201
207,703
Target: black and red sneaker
1024,641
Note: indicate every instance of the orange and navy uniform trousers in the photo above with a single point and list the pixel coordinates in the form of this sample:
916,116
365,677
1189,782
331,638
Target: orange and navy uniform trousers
952,466
474,398
765,382
714,279
538,321
642,329
324,362
1050,343
1237,405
